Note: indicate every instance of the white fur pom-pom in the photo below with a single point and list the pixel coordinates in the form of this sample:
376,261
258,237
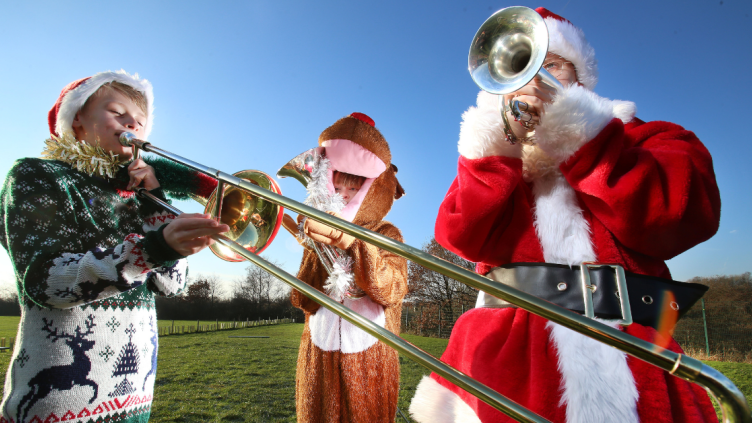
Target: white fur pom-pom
576,116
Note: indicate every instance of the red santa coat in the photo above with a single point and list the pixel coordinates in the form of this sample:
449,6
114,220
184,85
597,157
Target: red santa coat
601,186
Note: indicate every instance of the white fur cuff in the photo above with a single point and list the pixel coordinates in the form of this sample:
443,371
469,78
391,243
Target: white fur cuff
433,403
576,116
481,131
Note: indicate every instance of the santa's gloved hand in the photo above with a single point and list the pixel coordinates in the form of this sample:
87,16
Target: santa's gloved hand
324,234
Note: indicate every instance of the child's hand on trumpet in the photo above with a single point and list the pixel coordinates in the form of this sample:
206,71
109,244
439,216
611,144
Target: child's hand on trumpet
324,234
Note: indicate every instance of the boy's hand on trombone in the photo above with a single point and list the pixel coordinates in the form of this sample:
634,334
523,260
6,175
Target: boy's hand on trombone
192,232
142,175
324,234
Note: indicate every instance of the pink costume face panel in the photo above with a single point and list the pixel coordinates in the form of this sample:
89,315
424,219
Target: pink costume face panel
349,157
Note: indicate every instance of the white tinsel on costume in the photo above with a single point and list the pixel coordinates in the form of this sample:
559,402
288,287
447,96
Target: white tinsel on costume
340,279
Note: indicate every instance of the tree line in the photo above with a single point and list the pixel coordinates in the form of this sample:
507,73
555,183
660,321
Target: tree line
259,295
429,288
256,295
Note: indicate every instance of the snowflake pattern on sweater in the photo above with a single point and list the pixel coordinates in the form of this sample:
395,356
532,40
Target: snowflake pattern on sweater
86,272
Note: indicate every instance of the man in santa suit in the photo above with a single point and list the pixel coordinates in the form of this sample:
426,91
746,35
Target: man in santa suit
598,185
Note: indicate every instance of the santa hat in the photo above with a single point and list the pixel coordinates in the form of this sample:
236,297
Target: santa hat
569,42
74,96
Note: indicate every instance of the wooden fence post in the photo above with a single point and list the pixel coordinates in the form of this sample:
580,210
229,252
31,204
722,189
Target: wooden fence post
705,326
439,321
420,326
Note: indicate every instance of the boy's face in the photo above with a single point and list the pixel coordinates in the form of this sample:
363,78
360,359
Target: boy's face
347,193
105,117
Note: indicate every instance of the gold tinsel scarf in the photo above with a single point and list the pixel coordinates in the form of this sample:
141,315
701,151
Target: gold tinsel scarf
92,160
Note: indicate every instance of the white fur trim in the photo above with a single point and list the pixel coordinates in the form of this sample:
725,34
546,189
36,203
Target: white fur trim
481,131
562,230
330,332
75,99
575,117
598,386
569,42
433,403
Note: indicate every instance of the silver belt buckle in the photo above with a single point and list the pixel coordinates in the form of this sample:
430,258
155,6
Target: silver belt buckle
621,285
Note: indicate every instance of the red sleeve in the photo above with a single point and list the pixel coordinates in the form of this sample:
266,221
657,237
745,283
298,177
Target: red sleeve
652,185
486,215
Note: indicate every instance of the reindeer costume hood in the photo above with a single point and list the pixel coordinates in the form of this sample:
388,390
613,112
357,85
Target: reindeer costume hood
354,145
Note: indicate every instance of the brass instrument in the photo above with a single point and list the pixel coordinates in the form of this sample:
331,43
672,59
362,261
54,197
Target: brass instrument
253,222
507,52
301,168
732,401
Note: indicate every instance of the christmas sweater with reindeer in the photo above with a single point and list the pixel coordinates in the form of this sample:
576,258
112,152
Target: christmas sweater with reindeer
88,260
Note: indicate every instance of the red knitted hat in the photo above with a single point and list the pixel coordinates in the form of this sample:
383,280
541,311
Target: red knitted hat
74,96
569,42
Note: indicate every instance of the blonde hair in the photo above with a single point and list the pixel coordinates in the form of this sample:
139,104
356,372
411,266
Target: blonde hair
137,97
348,180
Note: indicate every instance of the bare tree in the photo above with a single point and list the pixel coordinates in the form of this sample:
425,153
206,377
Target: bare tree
9,305
8,293
216,290
258,286
432,287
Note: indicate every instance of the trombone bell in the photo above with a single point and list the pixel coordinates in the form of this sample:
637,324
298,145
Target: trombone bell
253,221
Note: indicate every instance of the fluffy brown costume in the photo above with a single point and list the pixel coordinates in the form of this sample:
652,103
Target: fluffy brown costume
332,383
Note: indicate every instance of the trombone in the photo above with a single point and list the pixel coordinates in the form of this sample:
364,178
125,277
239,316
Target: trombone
733,403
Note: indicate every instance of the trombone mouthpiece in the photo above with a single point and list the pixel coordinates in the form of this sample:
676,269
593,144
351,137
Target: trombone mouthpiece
126,139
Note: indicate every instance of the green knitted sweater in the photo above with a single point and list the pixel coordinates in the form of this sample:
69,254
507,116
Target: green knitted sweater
88,259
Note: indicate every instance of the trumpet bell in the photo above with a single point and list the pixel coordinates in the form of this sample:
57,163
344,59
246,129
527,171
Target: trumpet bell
253,221
508,50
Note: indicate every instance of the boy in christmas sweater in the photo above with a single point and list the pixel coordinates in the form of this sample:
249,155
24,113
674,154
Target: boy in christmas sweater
89,258
598,185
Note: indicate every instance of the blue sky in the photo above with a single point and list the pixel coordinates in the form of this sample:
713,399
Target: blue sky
249,85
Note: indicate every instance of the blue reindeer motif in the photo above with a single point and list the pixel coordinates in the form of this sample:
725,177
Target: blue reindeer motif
153,339
63,377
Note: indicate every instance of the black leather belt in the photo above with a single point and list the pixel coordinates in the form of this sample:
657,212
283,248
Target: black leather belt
562,285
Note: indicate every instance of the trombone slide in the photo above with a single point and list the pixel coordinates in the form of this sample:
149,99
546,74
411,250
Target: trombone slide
733,403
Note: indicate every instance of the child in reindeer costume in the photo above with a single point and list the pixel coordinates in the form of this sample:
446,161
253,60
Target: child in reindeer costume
598,185
344,374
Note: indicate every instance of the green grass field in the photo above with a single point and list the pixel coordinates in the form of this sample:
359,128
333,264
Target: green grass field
210,377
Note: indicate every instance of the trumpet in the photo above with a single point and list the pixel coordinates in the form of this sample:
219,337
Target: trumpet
731,399
507,52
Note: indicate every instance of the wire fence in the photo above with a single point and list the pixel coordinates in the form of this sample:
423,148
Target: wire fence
432,319
719,330
6,344
216,326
